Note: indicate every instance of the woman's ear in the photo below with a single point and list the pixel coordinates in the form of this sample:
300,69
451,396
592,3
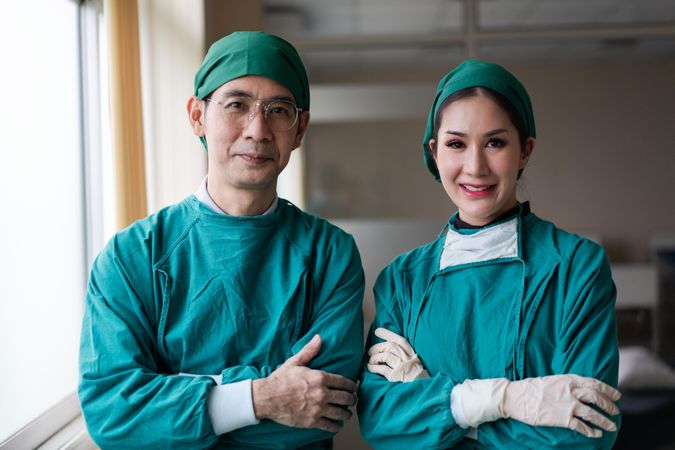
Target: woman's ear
432,148
527,152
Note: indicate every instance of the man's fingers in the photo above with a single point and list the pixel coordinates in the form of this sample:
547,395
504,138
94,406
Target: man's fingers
590,415
387,335
327,425
591,396
334,381
336,413
381,369
580,427
306,353
340,398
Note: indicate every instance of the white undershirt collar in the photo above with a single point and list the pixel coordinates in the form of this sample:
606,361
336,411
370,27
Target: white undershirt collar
494,242
203,196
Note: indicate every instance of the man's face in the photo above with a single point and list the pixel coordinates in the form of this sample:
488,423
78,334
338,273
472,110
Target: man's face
248,155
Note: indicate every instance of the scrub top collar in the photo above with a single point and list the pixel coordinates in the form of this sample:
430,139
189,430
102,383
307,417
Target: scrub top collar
203,196
498,240
521,209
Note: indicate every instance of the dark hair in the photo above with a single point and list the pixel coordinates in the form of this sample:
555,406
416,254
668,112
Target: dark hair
498,98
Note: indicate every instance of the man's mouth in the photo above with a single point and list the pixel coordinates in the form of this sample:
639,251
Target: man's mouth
255,159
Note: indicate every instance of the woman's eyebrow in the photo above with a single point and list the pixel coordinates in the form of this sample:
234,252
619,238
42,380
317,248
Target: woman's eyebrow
457,133
495,131
488,133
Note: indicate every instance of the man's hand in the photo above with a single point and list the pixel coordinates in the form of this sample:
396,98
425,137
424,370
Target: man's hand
298,396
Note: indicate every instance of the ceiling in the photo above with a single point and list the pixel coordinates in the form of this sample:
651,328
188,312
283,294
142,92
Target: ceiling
385,35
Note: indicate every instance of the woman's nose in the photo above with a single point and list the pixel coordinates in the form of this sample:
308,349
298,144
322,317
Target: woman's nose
475,163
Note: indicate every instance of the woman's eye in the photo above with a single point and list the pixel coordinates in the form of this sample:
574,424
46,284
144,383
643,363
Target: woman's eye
456,145
495,143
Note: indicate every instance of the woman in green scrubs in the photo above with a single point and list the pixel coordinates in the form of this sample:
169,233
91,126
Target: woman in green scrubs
501,332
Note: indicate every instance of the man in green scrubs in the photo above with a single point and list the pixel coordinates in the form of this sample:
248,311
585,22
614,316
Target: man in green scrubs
231,319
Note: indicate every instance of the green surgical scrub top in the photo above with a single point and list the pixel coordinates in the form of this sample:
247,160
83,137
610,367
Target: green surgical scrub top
546,309
188,290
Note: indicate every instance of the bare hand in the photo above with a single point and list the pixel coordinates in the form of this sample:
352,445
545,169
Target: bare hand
298,396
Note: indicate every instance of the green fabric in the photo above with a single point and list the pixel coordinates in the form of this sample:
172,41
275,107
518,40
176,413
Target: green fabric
473,73
253,53
549,310
189,290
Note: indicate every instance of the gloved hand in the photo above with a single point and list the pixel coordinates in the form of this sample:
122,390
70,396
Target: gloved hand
554,401
394,358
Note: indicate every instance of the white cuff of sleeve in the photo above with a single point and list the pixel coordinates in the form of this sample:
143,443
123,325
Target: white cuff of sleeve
455,406
230,406
217,378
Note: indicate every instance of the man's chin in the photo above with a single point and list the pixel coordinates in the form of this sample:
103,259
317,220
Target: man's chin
258,183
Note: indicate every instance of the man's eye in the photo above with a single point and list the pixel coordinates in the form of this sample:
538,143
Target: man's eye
279,110
235,106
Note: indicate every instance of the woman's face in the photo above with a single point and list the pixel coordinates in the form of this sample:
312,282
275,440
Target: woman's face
478,154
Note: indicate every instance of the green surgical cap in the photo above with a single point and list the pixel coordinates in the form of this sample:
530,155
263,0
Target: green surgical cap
473,73
253,53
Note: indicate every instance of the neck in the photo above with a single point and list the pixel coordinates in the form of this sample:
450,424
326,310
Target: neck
241,201
458,223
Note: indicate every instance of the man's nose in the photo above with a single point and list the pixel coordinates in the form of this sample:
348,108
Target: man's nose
257,127
254,109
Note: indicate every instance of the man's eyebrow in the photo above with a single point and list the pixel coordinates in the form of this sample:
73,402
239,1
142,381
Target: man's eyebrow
244,94
236,93
285,98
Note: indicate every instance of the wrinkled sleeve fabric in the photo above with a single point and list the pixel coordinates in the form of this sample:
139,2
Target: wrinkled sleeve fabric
396,415
586,345
336,316
126,400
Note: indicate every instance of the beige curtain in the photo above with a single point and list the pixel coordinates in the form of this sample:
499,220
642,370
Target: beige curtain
126,109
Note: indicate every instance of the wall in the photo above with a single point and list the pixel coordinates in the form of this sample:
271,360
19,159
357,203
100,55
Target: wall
172,42
604,161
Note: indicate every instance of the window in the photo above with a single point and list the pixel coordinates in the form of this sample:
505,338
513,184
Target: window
43,248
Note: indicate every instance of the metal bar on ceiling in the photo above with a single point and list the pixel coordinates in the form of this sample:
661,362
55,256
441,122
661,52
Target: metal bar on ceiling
645,31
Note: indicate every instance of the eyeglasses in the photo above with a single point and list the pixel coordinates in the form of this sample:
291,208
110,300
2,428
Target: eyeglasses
280,115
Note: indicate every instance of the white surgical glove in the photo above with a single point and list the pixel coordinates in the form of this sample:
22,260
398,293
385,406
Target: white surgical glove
394,358
554,401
